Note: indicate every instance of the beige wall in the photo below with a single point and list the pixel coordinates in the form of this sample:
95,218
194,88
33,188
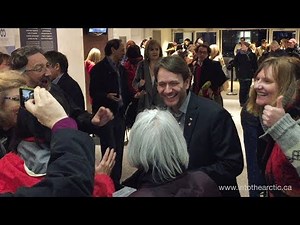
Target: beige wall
70,43
138,34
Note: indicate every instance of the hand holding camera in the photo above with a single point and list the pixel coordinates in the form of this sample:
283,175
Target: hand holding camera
26,93
45,107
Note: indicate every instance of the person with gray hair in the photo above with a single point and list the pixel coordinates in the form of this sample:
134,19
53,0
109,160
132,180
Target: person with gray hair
158,149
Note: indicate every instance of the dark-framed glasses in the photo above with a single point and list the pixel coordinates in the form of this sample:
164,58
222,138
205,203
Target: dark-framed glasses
14,98
39,68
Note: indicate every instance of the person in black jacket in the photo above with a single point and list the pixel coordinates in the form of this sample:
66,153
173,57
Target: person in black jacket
59,75
71,168
212,138
292,48
208,75
109,88
245,63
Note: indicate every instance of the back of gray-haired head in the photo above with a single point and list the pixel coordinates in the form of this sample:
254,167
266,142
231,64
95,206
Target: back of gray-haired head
174,64
19,57
157,145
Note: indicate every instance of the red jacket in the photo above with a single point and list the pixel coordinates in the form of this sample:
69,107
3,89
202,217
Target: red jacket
281,176
13,176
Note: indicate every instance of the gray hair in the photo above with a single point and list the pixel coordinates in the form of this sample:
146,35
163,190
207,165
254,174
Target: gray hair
157,143
19,57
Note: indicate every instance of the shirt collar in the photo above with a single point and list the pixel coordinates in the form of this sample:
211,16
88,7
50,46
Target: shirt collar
55,81
184,105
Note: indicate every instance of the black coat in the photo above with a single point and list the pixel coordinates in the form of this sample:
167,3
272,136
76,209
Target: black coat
72,88
71,168
245,64
104,80
213,142
82,117
210,71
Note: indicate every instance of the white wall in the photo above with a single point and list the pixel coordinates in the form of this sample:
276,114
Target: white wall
166,37
121,32
70,43
138,34
135,34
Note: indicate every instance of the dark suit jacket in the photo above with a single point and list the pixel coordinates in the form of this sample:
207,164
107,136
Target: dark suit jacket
104,80
213,142
82,117
72,88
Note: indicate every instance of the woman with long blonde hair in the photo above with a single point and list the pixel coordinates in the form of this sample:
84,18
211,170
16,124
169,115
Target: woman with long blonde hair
92,58
275,100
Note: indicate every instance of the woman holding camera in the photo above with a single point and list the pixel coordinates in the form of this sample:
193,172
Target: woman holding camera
25,151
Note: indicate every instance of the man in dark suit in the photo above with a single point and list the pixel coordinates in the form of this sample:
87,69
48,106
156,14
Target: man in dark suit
31,62
108,87
59,75
212,139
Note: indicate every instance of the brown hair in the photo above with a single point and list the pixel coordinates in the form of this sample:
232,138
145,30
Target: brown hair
150,44
4,58
285,71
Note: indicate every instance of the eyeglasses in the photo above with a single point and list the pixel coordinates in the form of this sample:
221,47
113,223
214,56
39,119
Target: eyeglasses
14,98
39,68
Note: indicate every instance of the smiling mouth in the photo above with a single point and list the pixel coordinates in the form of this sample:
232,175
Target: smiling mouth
261,94
170,96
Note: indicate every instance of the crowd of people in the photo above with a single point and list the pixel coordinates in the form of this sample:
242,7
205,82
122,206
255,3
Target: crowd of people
183,142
